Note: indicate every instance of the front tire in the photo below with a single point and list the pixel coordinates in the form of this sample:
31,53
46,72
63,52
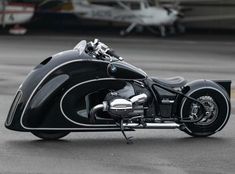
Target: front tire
50,135
217,113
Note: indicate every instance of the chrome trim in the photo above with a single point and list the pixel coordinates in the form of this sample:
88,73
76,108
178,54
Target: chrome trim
152,126
94,110
167,101
78,129
120,104
139,99
227,115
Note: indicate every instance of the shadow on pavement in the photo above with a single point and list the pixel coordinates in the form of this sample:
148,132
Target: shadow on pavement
86,143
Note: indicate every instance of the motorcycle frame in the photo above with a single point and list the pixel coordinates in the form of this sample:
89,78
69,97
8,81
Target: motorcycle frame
179,97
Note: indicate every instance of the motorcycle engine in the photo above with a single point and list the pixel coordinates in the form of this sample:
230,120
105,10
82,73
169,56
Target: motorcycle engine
125,104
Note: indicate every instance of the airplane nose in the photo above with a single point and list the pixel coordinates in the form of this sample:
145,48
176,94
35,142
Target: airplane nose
176,13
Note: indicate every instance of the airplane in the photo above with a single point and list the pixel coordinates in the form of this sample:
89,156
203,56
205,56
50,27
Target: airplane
165,15
12,13
138,13
204,13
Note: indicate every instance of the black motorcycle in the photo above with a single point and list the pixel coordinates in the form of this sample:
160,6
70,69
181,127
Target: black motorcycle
90,88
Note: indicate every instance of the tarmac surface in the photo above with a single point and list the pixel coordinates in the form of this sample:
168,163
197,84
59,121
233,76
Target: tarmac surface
153,151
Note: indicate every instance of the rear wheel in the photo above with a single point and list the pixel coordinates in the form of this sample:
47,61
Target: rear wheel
50,135
217,111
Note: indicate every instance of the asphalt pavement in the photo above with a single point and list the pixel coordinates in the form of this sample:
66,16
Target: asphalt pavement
153,151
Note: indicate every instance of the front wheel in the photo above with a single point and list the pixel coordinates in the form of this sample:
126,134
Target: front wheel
216,115
50,135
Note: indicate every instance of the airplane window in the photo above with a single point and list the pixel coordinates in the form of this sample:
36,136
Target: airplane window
135,6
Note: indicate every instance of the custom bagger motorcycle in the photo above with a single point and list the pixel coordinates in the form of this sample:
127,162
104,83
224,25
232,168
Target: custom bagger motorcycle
90,88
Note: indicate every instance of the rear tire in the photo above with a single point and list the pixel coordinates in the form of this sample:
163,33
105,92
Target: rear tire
50,135
217,107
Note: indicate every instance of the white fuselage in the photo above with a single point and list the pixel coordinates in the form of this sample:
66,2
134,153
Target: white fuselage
15,13
143,16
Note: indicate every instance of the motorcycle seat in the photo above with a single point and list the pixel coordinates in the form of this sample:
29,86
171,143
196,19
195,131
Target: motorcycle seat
173,82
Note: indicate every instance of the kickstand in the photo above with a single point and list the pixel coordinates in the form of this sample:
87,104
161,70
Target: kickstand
128,139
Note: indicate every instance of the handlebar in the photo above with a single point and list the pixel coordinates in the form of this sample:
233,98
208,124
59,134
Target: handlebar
113,54
101,51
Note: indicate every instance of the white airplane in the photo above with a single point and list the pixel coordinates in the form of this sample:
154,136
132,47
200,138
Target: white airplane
15,14
203,10
138,13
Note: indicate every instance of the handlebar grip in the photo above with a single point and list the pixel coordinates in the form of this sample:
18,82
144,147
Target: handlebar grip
112,53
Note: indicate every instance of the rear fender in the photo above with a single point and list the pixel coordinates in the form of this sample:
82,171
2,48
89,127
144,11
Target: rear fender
224,86
221,86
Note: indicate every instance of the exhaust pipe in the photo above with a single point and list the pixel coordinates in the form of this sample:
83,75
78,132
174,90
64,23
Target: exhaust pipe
124,107
94,110
153,126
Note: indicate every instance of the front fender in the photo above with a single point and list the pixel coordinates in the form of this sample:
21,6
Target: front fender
38,106
38,79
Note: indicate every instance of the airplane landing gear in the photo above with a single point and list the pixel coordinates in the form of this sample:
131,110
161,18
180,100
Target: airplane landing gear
18,30
162,31
128,30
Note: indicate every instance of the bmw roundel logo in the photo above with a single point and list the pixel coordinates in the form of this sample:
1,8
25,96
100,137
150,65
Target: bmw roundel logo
113,69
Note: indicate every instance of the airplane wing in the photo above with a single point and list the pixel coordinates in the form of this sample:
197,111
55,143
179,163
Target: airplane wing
122,5
180,4
128,9
55,7
187,5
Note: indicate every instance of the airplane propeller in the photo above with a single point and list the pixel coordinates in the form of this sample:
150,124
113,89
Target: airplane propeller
173,11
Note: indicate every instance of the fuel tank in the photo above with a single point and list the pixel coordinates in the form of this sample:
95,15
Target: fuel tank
37,104
125,70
